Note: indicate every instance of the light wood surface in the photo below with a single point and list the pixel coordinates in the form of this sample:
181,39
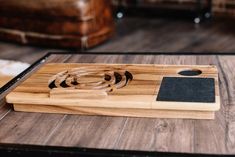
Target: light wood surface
108,87
127,112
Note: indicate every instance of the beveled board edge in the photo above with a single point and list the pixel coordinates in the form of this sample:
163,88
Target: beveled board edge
115,112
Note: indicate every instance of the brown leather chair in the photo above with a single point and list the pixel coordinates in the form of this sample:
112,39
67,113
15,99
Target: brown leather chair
58,23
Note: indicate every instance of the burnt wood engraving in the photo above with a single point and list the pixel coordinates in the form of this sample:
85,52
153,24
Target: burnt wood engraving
90,78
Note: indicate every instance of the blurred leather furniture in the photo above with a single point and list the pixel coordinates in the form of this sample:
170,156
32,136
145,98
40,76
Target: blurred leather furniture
57,23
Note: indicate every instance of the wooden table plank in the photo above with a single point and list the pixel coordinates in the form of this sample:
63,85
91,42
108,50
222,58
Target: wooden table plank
227,64
27,128
83,130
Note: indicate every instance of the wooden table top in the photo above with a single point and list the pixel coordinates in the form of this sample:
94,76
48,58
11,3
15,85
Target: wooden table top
123,133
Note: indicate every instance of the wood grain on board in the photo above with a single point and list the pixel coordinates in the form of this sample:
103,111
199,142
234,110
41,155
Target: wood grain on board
82,88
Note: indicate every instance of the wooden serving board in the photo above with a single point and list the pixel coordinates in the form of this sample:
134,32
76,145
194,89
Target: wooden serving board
138,90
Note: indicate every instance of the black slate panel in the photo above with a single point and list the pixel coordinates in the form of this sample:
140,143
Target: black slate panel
187,89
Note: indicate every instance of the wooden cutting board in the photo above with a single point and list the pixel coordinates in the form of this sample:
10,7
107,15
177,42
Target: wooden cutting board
137,90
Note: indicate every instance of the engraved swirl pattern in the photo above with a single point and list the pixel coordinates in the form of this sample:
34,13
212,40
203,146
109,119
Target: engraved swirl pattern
91,78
